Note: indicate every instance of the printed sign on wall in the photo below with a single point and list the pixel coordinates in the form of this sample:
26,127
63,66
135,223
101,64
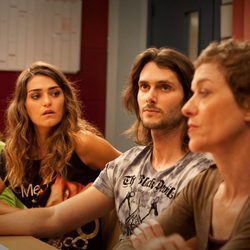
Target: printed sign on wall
46,30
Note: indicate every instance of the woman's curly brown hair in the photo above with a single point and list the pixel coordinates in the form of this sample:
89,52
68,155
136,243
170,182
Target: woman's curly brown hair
21,140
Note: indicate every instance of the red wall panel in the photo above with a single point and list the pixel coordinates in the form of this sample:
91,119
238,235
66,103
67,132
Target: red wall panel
241,19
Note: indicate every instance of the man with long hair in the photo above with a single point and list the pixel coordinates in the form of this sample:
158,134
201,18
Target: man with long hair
146,179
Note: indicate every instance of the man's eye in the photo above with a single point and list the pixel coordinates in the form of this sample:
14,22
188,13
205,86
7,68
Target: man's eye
165,87
143,86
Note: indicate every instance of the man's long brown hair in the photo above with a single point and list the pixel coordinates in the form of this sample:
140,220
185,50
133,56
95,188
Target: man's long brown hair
165,58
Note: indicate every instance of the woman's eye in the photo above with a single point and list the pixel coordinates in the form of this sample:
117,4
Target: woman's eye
55,93
204,92
35,96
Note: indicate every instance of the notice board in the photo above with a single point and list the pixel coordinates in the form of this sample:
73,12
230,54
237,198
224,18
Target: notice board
46,30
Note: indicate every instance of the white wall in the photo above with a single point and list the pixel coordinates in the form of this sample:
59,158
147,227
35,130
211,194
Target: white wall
127,37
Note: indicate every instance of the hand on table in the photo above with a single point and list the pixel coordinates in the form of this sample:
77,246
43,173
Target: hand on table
149,236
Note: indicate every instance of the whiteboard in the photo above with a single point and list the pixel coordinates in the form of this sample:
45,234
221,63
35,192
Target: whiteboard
47,30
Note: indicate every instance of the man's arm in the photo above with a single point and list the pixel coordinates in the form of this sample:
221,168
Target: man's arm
51,221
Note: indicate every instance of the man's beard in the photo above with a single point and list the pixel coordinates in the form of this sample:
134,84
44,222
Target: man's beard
169,121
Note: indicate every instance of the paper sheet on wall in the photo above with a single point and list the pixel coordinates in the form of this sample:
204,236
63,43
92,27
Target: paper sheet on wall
46,30
2,247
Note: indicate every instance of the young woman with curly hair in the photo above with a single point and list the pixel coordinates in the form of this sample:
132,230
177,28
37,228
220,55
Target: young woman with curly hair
51,153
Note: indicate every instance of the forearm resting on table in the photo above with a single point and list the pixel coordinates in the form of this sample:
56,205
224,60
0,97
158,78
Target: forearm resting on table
55,220
35,221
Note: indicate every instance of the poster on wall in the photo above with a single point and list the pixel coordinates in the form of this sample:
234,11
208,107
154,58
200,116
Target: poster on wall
40,30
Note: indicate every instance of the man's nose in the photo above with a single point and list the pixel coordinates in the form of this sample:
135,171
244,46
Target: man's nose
151,96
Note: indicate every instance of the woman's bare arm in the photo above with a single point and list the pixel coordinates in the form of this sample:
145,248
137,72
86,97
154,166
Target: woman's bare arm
94,150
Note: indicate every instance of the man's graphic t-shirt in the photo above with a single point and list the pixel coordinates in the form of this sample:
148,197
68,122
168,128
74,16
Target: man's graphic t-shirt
37,194
141,192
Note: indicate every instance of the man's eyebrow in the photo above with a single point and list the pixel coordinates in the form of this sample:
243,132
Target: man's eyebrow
142,81
163,81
